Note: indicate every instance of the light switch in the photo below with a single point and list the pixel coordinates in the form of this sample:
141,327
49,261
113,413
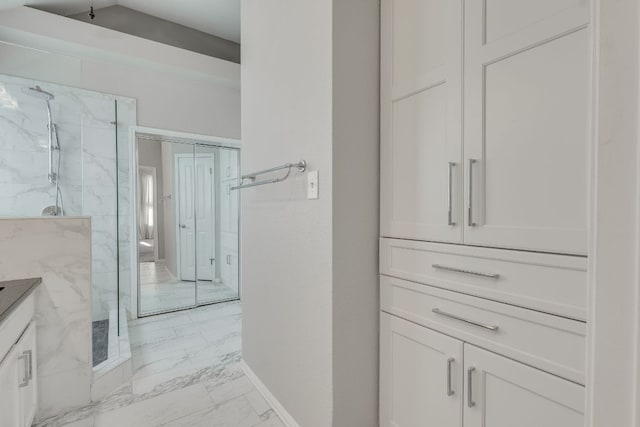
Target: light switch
312,185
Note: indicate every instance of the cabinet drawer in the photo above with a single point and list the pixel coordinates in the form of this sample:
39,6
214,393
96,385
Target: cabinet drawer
554,284
551,343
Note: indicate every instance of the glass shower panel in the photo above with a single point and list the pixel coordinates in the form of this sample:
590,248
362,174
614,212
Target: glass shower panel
218,265
166,228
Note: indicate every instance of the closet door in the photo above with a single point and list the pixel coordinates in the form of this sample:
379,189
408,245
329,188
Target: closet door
527,84
420,376
503,393
421,119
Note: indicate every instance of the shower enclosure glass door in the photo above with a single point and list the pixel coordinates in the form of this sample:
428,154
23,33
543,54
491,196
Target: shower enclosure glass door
187,240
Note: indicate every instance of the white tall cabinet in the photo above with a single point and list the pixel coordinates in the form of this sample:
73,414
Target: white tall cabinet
484,193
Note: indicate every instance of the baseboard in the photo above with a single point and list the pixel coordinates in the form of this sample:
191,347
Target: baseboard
285,416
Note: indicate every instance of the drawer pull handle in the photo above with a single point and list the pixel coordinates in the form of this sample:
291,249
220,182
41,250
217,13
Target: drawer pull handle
470,402
462,319
450,391
462,270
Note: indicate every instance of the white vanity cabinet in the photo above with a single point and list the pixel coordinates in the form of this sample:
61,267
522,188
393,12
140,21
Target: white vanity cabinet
428,378
10,378
18,368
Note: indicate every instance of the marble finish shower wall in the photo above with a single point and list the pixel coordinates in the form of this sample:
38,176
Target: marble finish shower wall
24,186
92,182
59,251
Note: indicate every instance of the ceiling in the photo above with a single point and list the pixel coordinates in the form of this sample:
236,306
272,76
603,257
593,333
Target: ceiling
218,17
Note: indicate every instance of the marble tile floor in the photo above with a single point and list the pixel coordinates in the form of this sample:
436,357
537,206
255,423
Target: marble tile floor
186,373
162,291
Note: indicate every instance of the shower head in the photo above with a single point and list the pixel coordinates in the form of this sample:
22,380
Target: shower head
38,93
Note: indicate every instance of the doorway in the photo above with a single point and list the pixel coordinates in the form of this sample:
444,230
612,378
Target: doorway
187,216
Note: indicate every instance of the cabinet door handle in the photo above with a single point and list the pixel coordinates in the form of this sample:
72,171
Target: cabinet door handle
25,373
470,402
470,201
450,220
29,354
450,391
462,270
492,328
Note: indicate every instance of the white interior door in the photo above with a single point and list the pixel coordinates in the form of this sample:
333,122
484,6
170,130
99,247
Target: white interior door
186,218
421,376
505,393
205,216
527,79
421,119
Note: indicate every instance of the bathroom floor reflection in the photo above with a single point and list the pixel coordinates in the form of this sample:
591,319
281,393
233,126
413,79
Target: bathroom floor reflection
160,290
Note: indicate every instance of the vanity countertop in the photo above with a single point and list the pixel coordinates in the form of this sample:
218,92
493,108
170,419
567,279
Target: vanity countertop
13,292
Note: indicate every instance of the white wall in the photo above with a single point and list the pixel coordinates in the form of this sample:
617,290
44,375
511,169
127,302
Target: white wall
176,89
286,239
309,267
355,212
613,331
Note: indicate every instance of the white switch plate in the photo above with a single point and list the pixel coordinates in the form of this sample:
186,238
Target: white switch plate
312,185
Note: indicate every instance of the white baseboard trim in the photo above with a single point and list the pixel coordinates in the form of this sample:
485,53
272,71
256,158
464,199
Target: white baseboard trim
285,416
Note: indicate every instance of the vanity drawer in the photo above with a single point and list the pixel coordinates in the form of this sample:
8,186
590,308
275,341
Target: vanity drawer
554,284
551,343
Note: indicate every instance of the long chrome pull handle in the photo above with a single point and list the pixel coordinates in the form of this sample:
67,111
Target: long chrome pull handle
470,402
450,391
462,270
470,201
450,220
492,328
25,373
29,354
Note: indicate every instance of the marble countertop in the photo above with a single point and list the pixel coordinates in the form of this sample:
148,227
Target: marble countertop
14,292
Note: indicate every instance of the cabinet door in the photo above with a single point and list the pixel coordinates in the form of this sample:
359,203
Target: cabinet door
29,393
505,393
420,376
11,376
527,79
421,119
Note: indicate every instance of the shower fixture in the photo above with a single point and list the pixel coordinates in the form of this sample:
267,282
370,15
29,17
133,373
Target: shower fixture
53,146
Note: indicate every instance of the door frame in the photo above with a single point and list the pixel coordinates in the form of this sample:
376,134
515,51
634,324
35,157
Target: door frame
164,135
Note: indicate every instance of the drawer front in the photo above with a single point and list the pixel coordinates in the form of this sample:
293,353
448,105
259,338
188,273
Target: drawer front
15,324
555,284
551,343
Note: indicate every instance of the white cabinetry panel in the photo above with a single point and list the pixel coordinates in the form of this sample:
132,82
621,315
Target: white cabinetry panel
420,376
421,119
505,393
526,120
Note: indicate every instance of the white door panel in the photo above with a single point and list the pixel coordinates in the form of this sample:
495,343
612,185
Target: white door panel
205,220
505,393
186,218
421,381
421,119
526,120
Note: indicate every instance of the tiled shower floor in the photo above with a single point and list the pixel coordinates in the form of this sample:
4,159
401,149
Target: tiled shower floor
100,338
186,373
